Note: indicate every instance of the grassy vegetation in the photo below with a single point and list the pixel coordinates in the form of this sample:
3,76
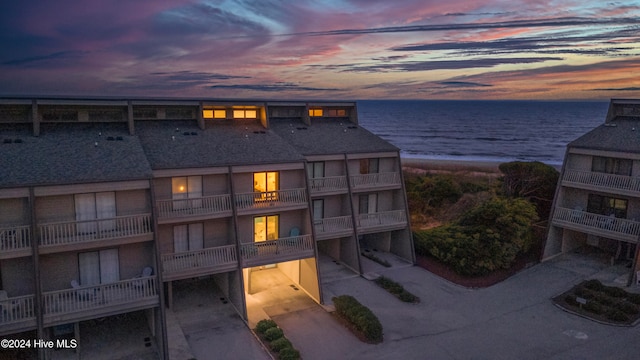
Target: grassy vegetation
274,338
396,289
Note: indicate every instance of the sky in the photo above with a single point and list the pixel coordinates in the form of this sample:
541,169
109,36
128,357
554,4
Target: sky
335,49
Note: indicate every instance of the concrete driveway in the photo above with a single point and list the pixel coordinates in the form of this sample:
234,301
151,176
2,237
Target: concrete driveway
514,319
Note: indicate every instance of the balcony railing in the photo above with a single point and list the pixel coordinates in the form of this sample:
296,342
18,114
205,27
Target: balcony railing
328,184
198,206
606,225
14,238
381,219
258,200
17,309
333,225
273,248
70,232
603,180
221,255
375,180
88,298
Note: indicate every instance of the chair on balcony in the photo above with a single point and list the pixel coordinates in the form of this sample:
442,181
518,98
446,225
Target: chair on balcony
83,294
143,284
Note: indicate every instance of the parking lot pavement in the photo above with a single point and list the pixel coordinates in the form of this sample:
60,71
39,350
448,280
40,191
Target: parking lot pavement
514,319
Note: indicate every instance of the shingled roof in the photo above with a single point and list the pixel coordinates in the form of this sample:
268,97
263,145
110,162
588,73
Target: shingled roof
621,134
329,136
182,144
67,154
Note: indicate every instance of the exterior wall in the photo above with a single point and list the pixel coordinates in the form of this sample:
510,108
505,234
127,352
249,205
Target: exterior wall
579,162
388,164
135,257
335,206
162,188
14,211
380,241
218,232
133,202
215,184
334,168
17,276
55,208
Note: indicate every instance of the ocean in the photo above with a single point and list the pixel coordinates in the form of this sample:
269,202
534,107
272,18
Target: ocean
499,131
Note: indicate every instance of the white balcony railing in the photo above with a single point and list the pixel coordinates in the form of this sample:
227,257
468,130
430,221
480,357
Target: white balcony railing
381,219
70,232
15,237
86,298
221,255
272,198
606,224
198,206
604,180
375,180
333,225
16,309
326,184
272,248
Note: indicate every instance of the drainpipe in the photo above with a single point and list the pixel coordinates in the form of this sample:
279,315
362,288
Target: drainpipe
353,213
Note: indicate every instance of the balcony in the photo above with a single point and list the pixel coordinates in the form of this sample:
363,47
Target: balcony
381,221
376,181
88,302
600,225
612,183
199,262
333,227
273,251
17,314
281,199
15,241
195,209
70,235
328,185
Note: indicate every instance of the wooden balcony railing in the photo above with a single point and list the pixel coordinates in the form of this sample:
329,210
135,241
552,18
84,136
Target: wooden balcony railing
272,248
198,206
328,184
375,180
602,180
220,255
258,200
17,309
14,238
333,225
582,220
86,298
70,232
381,219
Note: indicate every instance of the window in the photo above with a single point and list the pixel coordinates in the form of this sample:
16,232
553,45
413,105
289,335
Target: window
99,267
214,114
266,227
318,210
316,170
245,114
369,166
315,112
265,182
186,187
604,205
188,237
611,165
94,206
368,204
337,112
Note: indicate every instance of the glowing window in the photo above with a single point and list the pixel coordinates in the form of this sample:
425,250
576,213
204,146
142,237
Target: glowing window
219,114
315,112
245,114
265,227
207,114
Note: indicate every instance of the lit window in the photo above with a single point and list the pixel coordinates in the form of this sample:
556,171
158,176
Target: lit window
207,114
219,114
265,183
245,114
315,112
265,228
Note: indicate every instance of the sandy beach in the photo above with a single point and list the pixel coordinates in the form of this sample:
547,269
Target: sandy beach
454,166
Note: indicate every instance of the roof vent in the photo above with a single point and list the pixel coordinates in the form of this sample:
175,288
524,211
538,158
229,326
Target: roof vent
17,141
110,138
119,138
301,128
194,133
352,127
7,141
186,133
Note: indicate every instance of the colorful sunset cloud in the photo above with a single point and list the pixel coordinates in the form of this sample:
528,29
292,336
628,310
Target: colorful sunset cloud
356,49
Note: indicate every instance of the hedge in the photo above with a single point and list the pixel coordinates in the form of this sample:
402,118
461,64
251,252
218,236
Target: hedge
363,320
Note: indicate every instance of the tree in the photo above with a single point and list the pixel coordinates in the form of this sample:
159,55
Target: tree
534,181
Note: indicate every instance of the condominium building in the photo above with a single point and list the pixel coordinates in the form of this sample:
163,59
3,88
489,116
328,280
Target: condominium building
597,201
107,203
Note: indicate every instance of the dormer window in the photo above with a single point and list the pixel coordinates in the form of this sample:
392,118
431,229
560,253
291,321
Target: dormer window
316,112
337,112
245,114
214,114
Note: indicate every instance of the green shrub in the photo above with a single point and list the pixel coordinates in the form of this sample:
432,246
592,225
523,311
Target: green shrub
264,325
360,316
594,307
289,354
408,297
389,285
571,300
594,284
628,308
278,344
615,291
634,298
584,293
616,315
603,299
273,334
